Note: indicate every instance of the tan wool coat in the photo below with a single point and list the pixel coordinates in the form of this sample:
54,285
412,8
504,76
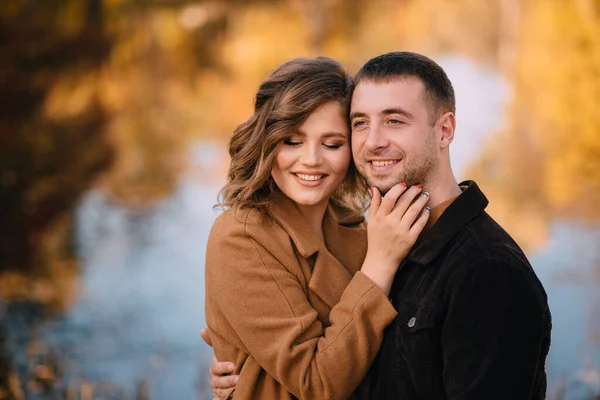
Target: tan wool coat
292,312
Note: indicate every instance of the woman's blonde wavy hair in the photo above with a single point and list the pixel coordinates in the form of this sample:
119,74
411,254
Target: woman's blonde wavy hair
283,102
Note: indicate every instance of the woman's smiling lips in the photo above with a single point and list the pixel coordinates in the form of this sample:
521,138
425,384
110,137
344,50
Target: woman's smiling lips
310,179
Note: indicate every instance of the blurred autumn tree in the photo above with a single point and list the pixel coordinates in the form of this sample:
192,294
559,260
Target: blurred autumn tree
110,94
46,161
546,164
94,93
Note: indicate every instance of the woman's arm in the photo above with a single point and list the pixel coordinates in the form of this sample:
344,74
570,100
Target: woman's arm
395,222
266,306
270,313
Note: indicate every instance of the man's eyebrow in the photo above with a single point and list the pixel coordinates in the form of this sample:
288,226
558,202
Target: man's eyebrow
400,111
387,111
357,114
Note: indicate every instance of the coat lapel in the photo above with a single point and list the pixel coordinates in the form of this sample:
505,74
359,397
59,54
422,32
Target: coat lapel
336,261
287,215
346,237
341,256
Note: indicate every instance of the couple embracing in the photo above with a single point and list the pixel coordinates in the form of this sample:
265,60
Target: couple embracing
431,299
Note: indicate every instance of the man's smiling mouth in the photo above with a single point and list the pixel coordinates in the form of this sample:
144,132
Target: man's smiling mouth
383,163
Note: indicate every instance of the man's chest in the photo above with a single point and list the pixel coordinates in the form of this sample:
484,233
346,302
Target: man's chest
410,363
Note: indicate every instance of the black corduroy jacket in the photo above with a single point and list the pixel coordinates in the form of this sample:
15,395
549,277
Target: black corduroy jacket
473,319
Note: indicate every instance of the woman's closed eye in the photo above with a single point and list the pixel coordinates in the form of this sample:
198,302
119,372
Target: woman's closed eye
333,146
292,142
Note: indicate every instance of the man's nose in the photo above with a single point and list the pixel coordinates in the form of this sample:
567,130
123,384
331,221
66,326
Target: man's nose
375,138
311,156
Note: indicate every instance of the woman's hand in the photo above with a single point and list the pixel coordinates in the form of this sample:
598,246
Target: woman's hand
395,222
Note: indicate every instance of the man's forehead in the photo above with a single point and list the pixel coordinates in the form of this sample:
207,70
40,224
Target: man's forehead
399,89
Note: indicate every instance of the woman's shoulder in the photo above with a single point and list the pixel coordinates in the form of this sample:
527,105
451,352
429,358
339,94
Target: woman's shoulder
243,222
243,234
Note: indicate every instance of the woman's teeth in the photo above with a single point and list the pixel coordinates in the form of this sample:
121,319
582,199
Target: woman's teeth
305,177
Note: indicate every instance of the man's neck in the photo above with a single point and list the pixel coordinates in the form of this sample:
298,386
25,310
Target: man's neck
441,190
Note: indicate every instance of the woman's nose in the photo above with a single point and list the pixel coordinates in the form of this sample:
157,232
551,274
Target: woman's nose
311,156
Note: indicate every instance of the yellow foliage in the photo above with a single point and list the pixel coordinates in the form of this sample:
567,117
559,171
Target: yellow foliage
558,84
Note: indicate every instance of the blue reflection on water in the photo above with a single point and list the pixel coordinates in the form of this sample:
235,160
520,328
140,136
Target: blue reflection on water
141,301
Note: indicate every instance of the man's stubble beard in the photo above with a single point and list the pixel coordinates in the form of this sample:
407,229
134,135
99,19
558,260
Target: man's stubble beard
417,170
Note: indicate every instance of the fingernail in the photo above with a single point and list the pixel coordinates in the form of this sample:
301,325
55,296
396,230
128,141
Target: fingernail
403,184
230,368
427,209
372,192
425,194
419,186
236,379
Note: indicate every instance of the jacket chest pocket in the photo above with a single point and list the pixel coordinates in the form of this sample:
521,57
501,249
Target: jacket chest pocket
415,343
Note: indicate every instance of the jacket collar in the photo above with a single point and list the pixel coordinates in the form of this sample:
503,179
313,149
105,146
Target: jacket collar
468,205
338,258
286,213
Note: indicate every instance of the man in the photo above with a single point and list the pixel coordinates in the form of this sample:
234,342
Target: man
473,319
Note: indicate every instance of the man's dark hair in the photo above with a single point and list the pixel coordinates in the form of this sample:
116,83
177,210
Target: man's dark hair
439,93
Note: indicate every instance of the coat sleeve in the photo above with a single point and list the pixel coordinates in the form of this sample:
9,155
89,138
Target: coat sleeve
496,328
268,309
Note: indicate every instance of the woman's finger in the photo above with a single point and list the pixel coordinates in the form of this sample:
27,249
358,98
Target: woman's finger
416,228
414,210
405,201
389,200
375,201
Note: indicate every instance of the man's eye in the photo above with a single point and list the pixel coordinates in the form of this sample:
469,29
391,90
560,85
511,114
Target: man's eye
358,124
395,122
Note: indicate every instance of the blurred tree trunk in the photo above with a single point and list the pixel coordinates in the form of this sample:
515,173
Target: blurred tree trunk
95,14
46,161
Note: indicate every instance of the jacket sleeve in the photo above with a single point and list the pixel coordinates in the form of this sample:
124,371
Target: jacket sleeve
266,305
495,329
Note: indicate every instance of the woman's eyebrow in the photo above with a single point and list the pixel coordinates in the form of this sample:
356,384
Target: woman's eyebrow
325,135
328,135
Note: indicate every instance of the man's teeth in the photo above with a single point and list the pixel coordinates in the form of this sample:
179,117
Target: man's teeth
383,163
305,177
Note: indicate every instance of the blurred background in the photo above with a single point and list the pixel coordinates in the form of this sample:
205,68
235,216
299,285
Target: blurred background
114,120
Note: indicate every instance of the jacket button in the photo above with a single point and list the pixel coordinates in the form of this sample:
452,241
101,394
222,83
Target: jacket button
412,322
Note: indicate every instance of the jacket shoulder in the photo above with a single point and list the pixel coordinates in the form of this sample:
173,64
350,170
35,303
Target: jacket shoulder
245,223
245,237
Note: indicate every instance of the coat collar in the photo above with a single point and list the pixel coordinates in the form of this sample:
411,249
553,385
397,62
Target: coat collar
468,205
287,214
337,259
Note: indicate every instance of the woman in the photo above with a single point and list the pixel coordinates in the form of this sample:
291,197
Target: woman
293,296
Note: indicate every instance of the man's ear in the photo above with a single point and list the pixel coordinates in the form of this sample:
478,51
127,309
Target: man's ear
447,126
